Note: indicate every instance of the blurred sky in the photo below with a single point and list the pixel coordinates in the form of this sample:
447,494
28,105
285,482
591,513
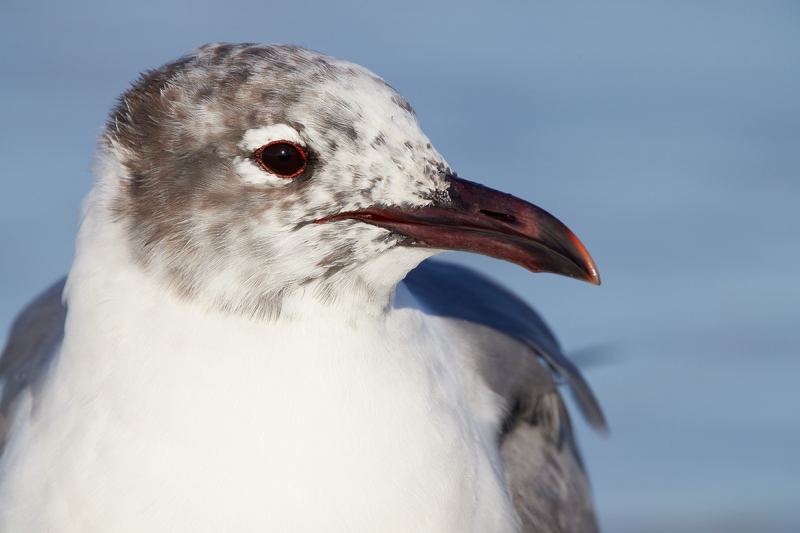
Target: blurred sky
666,135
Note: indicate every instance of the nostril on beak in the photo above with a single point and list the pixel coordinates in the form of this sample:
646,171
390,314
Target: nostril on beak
499,216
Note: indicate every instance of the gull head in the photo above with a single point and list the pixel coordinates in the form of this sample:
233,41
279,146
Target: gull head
249,176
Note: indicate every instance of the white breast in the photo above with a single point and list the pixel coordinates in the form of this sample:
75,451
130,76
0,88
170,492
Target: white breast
161,417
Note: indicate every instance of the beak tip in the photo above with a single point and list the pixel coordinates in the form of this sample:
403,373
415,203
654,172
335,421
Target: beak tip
586,262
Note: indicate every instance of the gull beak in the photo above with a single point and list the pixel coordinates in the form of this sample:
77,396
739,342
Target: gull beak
482,220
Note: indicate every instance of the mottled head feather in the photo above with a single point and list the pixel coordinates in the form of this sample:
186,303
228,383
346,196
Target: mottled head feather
199,213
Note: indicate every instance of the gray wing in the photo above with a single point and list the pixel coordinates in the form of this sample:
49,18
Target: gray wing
544,471
32,342
458,292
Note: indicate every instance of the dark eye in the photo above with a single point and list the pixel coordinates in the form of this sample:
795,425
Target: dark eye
282,158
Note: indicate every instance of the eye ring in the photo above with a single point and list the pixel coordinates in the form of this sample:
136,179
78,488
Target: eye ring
284,159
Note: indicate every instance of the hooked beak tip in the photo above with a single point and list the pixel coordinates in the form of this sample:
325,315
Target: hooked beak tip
590,269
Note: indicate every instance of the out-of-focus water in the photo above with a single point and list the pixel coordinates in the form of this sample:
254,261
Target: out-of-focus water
667,136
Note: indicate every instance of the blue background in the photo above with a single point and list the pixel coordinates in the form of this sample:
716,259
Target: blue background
666,135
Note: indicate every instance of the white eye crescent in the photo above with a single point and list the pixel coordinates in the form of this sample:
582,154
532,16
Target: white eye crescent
274,154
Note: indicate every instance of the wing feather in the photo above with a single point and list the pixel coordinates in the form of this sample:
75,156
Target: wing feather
543,467
458,292
34,337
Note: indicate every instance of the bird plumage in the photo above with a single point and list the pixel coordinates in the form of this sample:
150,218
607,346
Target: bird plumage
239,350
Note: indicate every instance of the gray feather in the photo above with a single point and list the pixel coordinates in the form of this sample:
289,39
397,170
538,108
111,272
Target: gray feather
543,467
457,292
548,486
34,337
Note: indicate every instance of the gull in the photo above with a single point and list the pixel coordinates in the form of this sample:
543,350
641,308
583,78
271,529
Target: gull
252,336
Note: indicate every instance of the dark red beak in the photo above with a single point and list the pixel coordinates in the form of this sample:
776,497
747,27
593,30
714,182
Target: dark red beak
474,218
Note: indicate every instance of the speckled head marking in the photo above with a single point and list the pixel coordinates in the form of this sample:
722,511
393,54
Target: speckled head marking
203,216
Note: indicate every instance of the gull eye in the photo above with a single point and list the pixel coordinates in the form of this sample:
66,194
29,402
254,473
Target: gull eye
282,158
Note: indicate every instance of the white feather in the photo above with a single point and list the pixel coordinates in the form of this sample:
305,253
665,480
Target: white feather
160,416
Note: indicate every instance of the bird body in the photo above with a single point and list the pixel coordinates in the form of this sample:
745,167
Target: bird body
240,351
